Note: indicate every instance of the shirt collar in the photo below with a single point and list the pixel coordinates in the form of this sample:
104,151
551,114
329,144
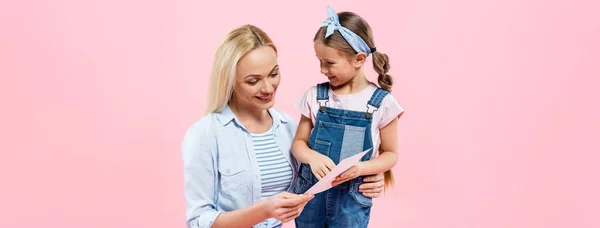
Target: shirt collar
226,115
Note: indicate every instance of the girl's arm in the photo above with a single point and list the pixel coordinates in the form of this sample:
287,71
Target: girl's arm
384,162
300,148
319,164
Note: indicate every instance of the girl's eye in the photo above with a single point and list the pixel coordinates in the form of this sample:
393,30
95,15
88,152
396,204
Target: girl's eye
253,82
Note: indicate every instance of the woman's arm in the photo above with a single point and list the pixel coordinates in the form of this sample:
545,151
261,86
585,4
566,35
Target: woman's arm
283,206
199,177
200,181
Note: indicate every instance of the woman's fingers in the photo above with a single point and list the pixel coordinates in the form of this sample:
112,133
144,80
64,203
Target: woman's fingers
294,201
373,178
371,195
371,187
290,213
286,214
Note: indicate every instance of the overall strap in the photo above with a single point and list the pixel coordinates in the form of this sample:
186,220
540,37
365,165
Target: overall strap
375,101
322,95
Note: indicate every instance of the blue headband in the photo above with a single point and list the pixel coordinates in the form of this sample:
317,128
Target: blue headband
333,23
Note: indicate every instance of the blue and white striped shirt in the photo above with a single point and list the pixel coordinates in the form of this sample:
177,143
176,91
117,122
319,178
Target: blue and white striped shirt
220,166
275,170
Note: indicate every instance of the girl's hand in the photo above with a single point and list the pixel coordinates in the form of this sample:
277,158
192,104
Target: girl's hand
351,173
320,165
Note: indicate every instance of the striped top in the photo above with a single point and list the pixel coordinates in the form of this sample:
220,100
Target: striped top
275,171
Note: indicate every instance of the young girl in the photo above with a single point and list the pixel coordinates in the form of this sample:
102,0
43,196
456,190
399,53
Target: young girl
341,118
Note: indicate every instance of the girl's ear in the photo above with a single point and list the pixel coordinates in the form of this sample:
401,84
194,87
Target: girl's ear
359,59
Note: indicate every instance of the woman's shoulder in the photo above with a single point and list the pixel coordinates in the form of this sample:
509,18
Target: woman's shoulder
202,127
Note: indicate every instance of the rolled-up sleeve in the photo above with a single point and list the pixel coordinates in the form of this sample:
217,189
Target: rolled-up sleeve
199,176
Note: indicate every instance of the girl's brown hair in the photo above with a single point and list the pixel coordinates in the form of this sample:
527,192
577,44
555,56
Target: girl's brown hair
360,27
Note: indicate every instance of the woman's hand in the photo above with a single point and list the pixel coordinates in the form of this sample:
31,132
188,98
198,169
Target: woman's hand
286,206
372,186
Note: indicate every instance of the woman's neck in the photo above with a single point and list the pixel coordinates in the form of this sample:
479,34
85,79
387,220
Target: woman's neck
255,121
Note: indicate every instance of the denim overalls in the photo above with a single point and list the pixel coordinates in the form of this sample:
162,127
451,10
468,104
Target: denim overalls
338,134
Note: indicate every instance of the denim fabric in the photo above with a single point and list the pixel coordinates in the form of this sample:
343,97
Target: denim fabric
338,134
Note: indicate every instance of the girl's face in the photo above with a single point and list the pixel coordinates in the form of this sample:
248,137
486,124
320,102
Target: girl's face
256,79
338,68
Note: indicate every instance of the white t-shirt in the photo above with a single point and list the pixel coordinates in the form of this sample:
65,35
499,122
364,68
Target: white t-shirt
308,106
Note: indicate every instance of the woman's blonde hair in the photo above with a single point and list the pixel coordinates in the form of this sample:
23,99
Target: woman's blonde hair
237,43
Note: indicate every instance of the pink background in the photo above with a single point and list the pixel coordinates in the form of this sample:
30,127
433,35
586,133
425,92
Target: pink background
501,126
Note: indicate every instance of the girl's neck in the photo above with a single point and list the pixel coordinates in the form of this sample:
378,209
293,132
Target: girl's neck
355,85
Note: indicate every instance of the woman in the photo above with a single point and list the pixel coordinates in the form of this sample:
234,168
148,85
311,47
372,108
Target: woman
237,159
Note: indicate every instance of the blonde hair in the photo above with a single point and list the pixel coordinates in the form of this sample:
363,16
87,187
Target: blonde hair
237,43
381,62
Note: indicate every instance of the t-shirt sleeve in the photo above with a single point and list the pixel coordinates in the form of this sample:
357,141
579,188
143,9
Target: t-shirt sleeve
390,110
303,103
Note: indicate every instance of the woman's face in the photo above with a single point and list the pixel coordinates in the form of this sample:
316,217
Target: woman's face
256,79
